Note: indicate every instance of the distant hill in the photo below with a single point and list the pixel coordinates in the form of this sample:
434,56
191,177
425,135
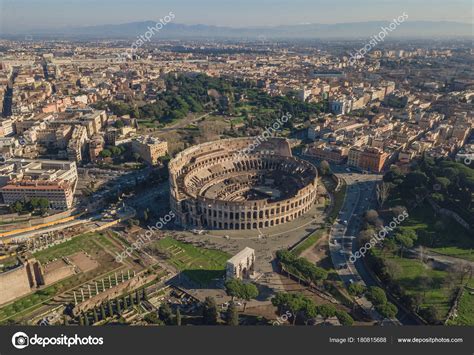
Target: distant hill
411,29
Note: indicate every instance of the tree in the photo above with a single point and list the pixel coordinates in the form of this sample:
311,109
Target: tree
371,216
394,176
136,156
414,301
164,312
239,289
125,304
43,204
356,289
296,304
110,308
86,319
105,153
383,192
233,288
414,182
17,207
280,300
311,273
387,310
430,314
443,182
249,292
102,311
119,124
232,317
326,310
178,316
324,168
344,318
209,314
152,318
406,239
115,151
95,315
399,210
425,283
392,268
389,245
119,307
376,295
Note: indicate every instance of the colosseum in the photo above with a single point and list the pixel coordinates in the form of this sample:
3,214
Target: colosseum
214,186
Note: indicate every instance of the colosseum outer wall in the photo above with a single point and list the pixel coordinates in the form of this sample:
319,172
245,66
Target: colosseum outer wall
221,170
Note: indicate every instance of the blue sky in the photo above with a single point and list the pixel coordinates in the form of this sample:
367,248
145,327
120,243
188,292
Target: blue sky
31,14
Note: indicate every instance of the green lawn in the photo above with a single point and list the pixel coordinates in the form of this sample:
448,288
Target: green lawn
411,272
147,123
86,242
238,120
30,303
308,242
465,310
466,254
440,234
199,264
338,198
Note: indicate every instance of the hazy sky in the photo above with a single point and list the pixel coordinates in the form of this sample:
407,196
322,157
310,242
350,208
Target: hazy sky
31,14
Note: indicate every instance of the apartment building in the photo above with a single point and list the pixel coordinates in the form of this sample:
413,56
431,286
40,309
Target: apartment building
54,180
149,148
367,158
60,194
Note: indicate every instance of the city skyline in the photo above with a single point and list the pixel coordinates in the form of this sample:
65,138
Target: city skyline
25,15
305,165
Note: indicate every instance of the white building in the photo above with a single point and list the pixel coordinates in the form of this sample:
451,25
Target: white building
241,265
22,179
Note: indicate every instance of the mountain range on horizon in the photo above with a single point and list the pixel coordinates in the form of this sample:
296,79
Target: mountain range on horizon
354,30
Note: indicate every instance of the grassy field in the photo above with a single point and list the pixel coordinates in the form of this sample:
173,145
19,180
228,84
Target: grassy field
409,277
199,264
146,124
308,242
92,243
441,235
88,242
28,303
465,310
338,198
